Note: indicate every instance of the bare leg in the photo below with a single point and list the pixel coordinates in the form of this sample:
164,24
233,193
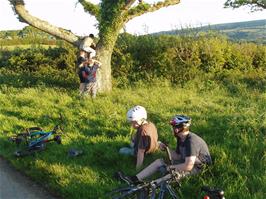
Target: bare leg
164,178
81,88
151,169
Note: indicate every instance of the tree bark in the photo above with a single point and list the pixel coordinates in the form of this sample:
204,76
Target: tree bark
104,50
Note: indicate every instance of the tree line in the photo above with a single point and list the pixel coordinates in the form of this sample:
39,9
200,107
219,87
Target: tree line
176,59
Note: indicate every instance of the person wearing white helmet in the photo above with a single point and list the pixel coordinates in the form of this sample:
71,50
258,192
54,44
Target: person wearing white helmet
190,155
145,139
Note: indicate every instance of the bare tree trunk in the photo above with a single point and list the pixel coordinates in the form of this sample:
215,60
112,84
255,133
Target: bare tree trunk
104,50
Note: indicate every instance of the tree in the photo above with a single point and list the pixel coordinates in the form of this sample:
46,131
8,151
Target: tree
111,15
255,4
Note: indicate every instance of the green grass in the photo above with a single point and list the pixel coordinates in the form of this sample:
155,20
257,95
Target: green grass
229,114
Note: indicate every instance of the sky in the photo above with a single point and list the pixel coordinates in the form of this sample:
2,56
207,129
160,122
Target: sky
70,15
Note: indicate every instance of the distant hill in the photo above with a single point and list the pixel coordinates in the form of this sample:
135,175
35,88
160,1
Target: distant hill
27,36
26,32
254,31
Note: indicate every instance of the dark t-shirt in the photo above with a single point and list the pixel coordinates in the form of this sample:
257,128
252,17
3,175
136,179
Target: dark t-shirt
146,138
92,72
194,145
83,74
81,68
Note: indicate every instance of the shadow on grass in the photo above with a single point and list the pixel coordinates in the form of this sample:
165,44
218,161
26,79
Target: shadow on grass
89,175
25,80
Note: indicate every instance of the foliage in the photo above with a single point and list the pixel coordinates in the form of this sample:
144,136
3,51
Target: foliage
148,58
254,4
37,58
181,58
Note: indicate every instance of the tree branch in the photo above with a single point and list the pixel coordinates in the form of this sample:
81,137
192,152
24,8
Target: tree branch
24,16
90,8
143,8
254,4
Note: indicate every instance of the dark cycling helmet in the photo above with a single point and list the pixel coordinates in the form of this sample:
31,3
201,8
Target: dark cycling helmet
180,121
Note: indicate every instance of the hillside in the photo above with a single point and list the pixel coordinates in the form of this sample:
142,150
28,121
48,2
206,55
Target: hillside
254,31
26,36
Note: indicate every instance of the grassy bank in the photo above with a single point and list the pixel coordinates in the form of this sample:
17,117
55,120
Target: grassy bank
229,114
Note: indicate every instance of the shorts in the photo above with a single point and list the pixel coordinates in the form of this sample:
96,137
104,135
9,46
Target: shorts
127,151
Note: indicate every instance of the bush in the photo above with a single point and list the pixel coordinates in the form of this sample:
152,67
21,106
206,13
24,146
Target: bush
177,59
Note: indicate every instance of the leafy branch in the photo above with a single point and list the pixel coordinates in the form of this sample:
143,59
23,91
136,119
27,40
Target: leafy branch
143,8
91,8
255,4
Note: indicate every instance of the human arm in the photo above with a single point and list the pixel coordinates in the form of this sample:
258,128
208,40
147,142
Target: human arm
174,155
186,166
140,158
98,63
162,146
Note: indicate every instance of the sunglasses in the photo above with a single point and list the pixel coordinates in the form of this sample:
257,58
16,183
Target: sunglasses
178,126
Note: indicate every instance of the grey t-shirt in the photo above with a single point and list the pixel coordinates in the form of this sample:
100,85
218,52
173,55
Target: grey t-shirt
194,145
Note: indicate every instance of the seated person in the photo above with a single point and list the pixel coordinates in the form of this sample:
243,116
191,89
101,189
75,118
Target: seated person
145,139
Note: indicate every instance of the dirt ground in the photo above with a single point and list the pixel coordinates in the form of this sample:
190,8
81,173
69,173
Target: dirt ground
14,185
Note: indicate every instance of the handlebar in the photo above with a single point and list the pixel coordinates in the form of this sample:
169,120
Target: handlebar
56,128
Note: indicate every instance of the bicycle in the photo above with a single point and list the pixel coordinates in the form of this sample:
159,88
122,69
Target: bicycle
161,188
34,139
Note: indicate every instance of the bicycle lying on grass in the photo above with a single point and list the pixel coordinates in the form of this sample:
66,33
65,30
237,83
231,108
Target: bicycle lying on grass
34,139
162,188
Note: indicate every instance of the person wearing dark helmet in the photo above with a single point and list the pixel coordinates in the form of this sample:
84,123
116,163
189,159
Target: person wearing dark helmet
145,140
190,155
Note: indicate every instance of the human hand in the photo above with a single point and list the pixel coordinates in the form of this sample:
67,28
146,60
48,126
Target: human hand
170,168
162,146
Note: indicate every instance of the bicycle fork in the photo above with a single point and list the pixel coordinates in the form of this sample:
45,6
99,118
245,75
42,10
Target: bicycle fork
165,187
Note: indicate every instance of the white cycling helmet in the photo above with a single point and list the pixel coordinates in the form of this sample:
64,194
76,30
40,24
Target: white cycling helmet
137,113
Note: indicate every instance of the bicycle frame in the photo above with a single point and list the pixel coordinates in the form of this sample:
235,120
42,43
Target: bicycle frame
146,190
35,139
44,137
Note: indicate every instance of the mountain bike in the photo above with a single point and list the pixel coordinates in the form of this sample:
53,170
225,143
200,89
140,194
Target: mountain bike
162,188
34,139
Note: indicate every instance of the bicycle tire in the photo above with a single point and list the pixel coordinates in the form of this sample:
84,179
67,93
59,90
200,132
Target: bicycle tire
119,193
23,153
130,192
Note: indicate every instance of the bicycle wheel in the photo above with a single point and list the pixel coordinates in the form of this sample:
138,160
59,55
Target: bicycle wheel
125,192
129,192
171,192
23,153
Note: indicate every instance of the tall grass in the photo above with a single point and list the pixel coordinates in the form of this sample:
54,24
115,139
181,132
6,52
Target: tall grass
228,113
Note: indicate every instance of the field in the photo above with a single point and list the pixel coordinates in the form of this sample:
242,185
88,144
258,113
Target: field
22,46
228,113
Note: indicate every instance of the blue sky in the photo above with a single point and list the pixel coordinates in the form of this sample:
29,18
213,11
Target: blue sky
189,13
